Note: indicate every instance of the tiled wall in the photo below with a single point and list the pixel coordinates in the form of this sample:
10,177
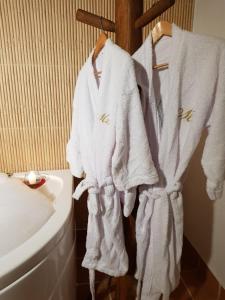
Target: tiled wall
42,48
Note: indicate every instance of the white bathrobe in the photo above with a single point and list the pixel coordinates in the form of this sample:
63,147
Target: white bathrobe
178,104
109,144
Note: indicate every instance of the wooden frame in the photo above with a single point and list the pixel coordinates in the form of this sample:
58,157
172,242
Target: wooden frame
129,21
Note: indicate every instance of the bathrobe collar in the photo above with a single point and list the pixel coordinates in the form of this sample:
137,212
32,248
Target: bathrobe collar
98,91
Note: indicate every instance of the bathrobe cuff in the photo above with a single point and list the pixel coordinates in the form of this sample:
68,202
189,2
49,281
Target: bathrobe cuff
149,179
124,183
76,170
214,189
75,164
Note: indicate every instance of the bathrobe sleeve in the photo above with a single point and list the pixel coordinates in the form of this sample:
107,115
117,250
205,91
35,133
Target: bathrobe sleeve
213,160
132,163
73,151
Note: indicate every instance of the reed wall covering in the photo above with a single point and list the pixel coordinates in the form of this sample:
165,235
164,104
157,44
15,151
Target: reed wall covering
42,48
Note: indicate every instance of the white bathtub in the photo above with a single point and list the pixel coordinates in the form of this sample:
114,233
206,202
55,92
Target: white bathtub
43,267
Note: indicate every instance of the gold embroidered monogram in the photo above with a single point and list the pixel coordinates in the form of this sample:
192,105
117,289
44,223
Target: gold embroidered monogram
185,114
104,118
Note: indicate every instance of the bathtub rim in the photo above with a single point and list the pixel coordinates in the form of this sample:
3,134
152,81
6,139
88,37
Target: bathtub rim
23,258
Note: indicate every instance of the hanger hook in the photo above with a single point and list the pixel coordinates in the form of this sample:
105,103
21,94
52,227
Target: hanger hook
101,24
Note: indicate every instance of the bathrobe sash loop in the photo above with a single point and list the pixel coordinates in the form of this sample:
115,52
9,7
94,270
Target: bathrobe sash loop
91,184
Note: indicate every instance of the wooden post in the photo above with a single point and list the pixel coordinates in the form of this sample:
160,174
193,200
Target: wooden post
126,13
153,12
95,20
130,39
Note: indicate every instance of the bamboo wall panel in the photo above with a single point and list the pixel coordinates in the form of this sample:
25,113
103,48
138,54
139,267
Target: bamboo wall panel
42,48
181,13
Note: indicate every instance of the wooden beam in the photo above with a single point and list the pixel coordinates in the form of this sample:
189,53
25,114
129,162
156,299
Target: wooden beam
94,20
152,13
126,12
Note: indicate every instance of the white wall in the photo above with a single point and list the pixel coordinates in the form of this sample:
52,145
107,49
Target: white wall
204,219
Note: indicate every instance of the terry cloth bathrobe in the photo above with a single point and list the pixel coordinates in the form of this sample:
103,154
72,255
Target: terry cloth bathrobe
178,103
109,144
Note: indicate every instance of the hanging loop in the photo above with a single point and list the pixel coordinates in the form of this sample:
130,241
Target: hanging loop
101,24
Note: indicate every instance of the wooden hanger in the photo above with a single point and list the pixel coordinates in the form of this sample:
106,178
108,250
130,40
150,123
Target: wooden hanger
162,28
100,42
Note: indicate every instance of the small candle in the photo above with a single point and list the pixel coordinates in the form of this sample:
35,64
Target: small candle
32,178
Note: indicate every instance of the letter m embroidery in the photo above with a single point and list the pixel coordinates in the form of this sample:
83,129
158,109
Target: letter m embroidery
185,114
104,118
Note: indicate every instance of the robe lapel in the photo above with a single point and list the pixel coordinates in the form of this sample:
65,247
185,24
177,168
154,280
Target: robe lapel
97,92
169,143
101,100
92,85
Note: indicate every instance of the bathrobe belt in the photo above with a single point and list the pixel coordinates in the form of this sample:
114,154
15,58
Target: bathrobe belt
108,189
95,207
91,184
148,197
